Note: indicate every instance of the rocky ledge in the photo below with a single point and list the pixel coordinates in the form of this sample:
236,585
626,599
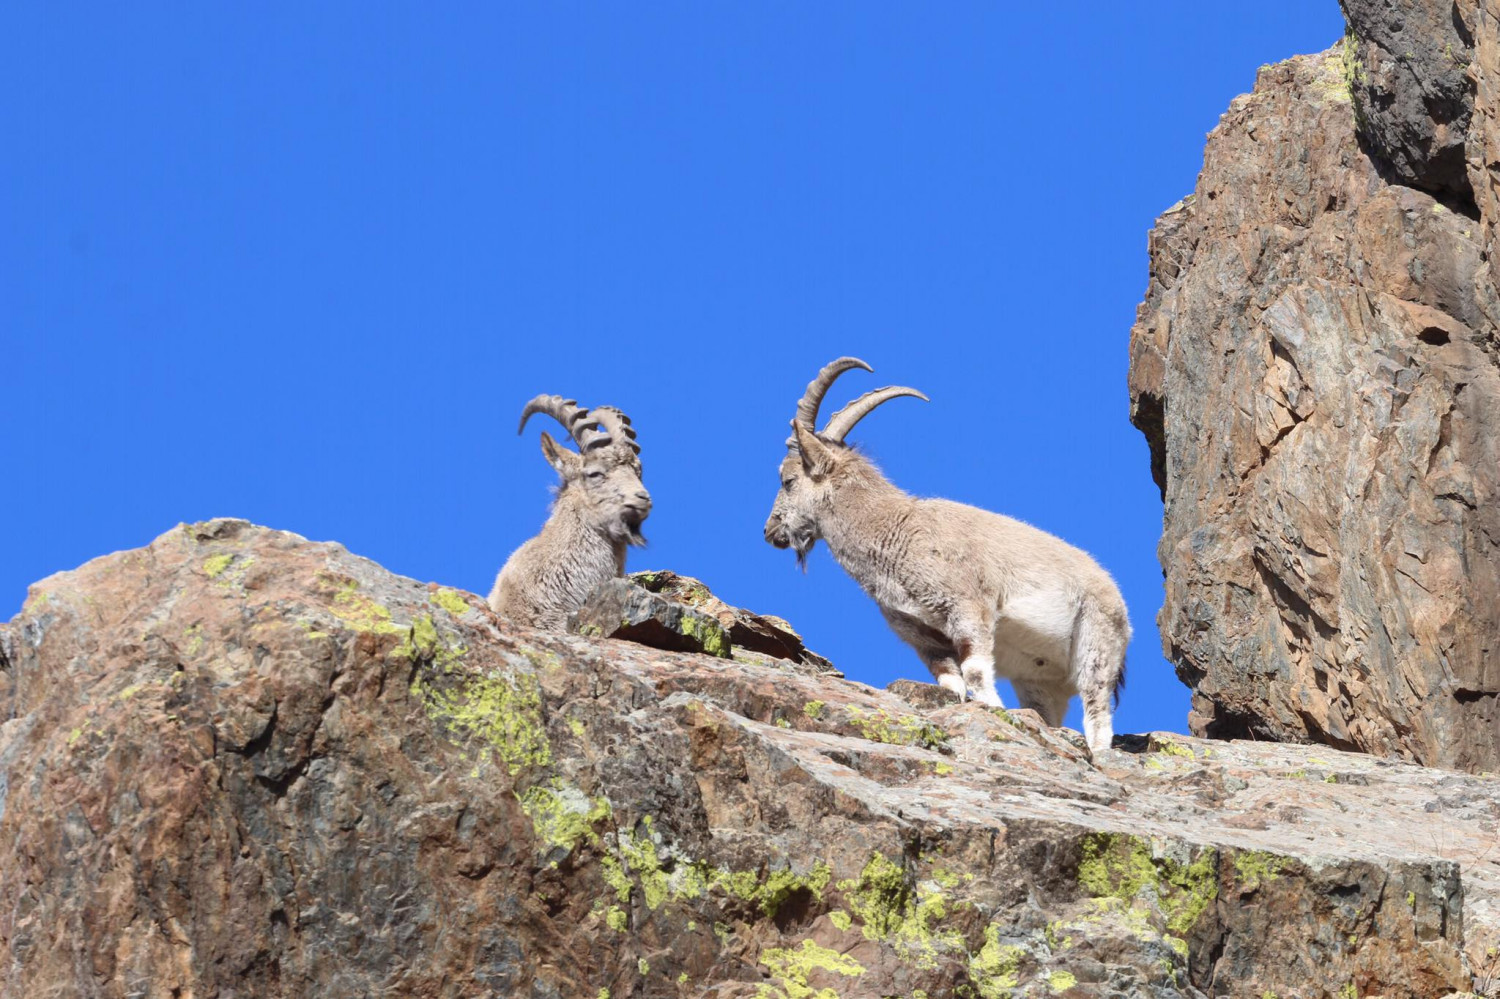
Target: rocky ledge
237,763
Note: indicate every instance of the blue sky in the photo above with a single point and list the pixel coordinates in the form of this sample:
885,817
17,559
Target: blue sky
305,267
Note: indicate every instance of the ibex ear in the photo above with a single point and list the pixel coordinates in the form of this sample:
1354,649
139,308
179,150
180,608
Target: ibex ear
559,457
817,457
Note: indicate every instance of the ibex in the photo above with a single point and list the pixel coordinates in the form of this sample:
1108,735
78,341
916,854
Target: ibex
973,592
598,512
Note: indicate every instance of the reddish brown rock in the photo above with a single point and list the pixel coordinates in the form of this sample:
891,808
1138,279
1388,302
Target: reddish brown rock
238,763
1315,369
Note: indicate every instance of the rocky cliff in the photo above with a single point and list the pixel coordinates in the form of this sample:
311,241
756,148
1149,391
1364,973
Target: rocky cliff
1317,369
236,763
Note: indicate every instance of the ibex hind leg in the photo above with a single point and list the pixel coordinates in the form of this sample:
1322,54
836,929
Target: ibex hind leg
1099,665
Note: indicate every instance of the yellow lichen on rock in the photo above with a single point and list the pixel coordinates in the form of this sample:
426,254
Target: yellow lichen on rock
503,716
562,815
903,915
450,601
791,967
994,968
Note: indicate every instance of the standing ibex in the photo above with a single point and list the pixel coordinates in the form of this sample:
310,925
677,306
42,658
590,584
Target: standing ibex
599,509
973,592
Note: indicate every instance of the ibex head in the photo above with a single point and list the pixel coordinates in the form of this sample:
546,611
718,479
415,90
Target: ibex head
601,481
816,461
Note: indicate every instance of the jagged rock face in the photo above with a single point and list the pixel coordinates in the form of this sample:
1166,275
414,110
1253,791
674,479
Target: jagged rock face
1315,368
237,763
1410,80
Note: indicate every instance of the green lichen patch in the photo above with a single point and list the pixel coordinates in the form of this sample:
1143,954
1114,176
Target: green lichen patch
1168,747
813,709
503,716
362,614
994,969
562,815
1253,868
215,565
709,633
541,659
228,569
792,966
311,630
664,877
1009,718
907,916
1343,75
775,887
1123,867
616,919
660,881
897,730
450,601
1061,981
423,642
616,878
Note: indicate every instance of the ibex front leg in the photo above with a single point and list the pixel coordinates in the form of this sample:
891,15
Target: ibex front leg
976,646
932,647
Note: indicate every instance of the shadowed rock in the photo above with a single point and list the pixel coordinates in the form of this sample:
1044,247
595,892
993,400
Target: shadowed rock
620,609
763,634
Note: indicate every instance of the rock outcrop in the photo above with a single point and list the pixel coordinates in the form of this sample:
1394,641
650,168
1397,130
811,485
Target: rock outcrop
669,611
237,763
1315,368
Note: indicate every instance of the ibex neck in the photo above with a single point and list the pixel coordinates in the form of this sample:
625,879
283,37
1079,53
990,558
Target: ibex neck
864,530
595,547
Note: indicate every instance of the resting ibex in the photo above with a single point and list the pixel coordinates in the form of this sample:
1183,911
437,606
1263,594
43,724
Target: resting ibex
973,592
599,510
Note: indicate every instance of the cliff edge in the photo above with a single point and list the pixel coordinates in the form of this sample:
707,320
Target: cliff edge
239,763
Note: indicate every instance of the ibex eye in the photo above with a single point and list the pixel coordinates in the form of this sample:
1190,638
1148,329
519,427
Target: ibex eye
596,474
787,484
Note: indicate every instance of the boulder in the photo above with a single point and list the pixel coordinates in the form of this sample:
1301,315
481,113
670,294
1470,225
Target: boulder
618,608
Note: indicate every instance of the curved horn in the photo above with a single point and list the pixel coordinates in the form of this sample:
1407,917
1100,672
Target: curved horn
807,409
574,418
616,427
844,420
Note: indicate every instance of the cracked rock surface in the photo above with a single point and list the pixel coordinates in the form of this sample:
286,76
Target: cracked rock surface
237,763
1317,369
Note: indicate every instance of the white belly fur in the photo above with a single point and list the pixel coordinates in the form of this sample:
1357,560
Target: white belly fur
1034,637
